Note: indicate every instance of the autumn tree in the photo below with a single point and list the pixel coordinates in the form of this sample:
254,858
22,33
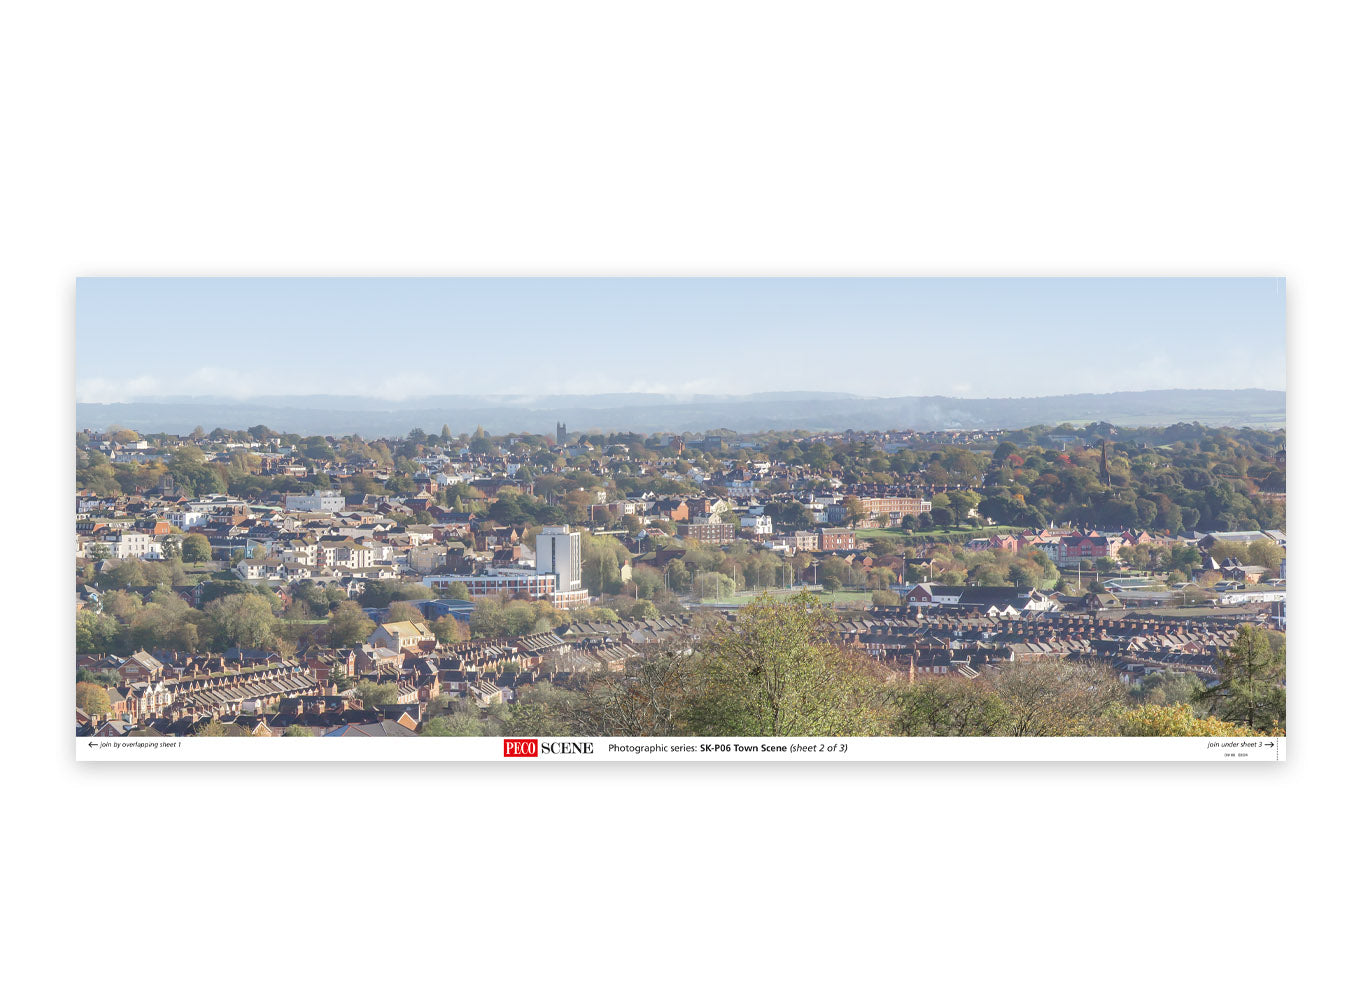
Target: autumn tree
653,700
449,629
92,699
404,612
1056,697
854,511
1176,721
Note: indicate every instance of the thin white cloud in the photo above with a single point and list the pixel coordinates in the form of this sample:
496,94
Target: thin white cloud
105,390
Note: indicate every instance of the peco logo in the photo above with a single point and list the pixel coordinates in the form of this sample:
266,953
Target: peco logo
529,747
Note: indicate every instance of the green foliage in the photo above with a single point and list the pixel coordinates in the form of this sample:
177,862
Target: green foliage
642,609
195,549
376,694
1250,690
449,630
1167,688
457,590
947,706
777,672
317,600
455,725
711,584
506,619
1176,721
404,612
380,594
348,624
96,633
244,621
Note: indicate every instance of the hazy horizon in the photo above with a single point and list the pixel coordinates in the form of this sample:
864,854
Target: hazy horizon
333,415
401,340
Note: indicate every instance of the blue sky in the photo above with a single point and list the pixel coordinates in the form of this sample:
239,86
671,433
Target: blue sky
403,338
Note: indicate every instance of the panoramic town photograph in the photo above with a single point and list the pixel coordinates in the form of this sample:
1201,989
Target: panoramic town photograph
627,507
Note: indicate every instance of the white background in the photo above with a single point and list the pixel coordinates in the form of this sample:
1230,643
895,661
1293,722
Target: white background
789,138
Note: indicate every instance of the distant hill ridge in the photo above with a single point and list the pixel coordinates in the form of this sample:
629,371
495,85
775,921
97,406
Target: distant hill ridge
817,411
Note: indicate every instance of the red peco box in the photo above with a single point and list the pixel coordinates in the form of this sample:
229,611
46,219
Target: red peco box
526,747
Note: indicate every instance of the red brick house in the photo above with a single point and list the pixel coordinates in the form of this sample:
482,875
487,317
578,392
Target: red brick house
836,539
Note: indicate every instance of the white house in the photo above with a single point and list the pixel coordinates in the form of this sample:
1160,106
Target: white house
317,501
761,525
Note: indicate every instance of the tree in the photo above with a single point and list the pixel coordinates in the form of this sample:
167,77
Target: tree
195,548
1250,688
458,590
518,619
1056,697
642,608
1176,721
1265,553
652,700
711,584
1024,574
92,699
458,724
1166,688
488,618
854,511
380,594
243,621
95,632
449,629
165,622
778,672
126,573
374,694
600,572
404,612
947,706
348,624
298,730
